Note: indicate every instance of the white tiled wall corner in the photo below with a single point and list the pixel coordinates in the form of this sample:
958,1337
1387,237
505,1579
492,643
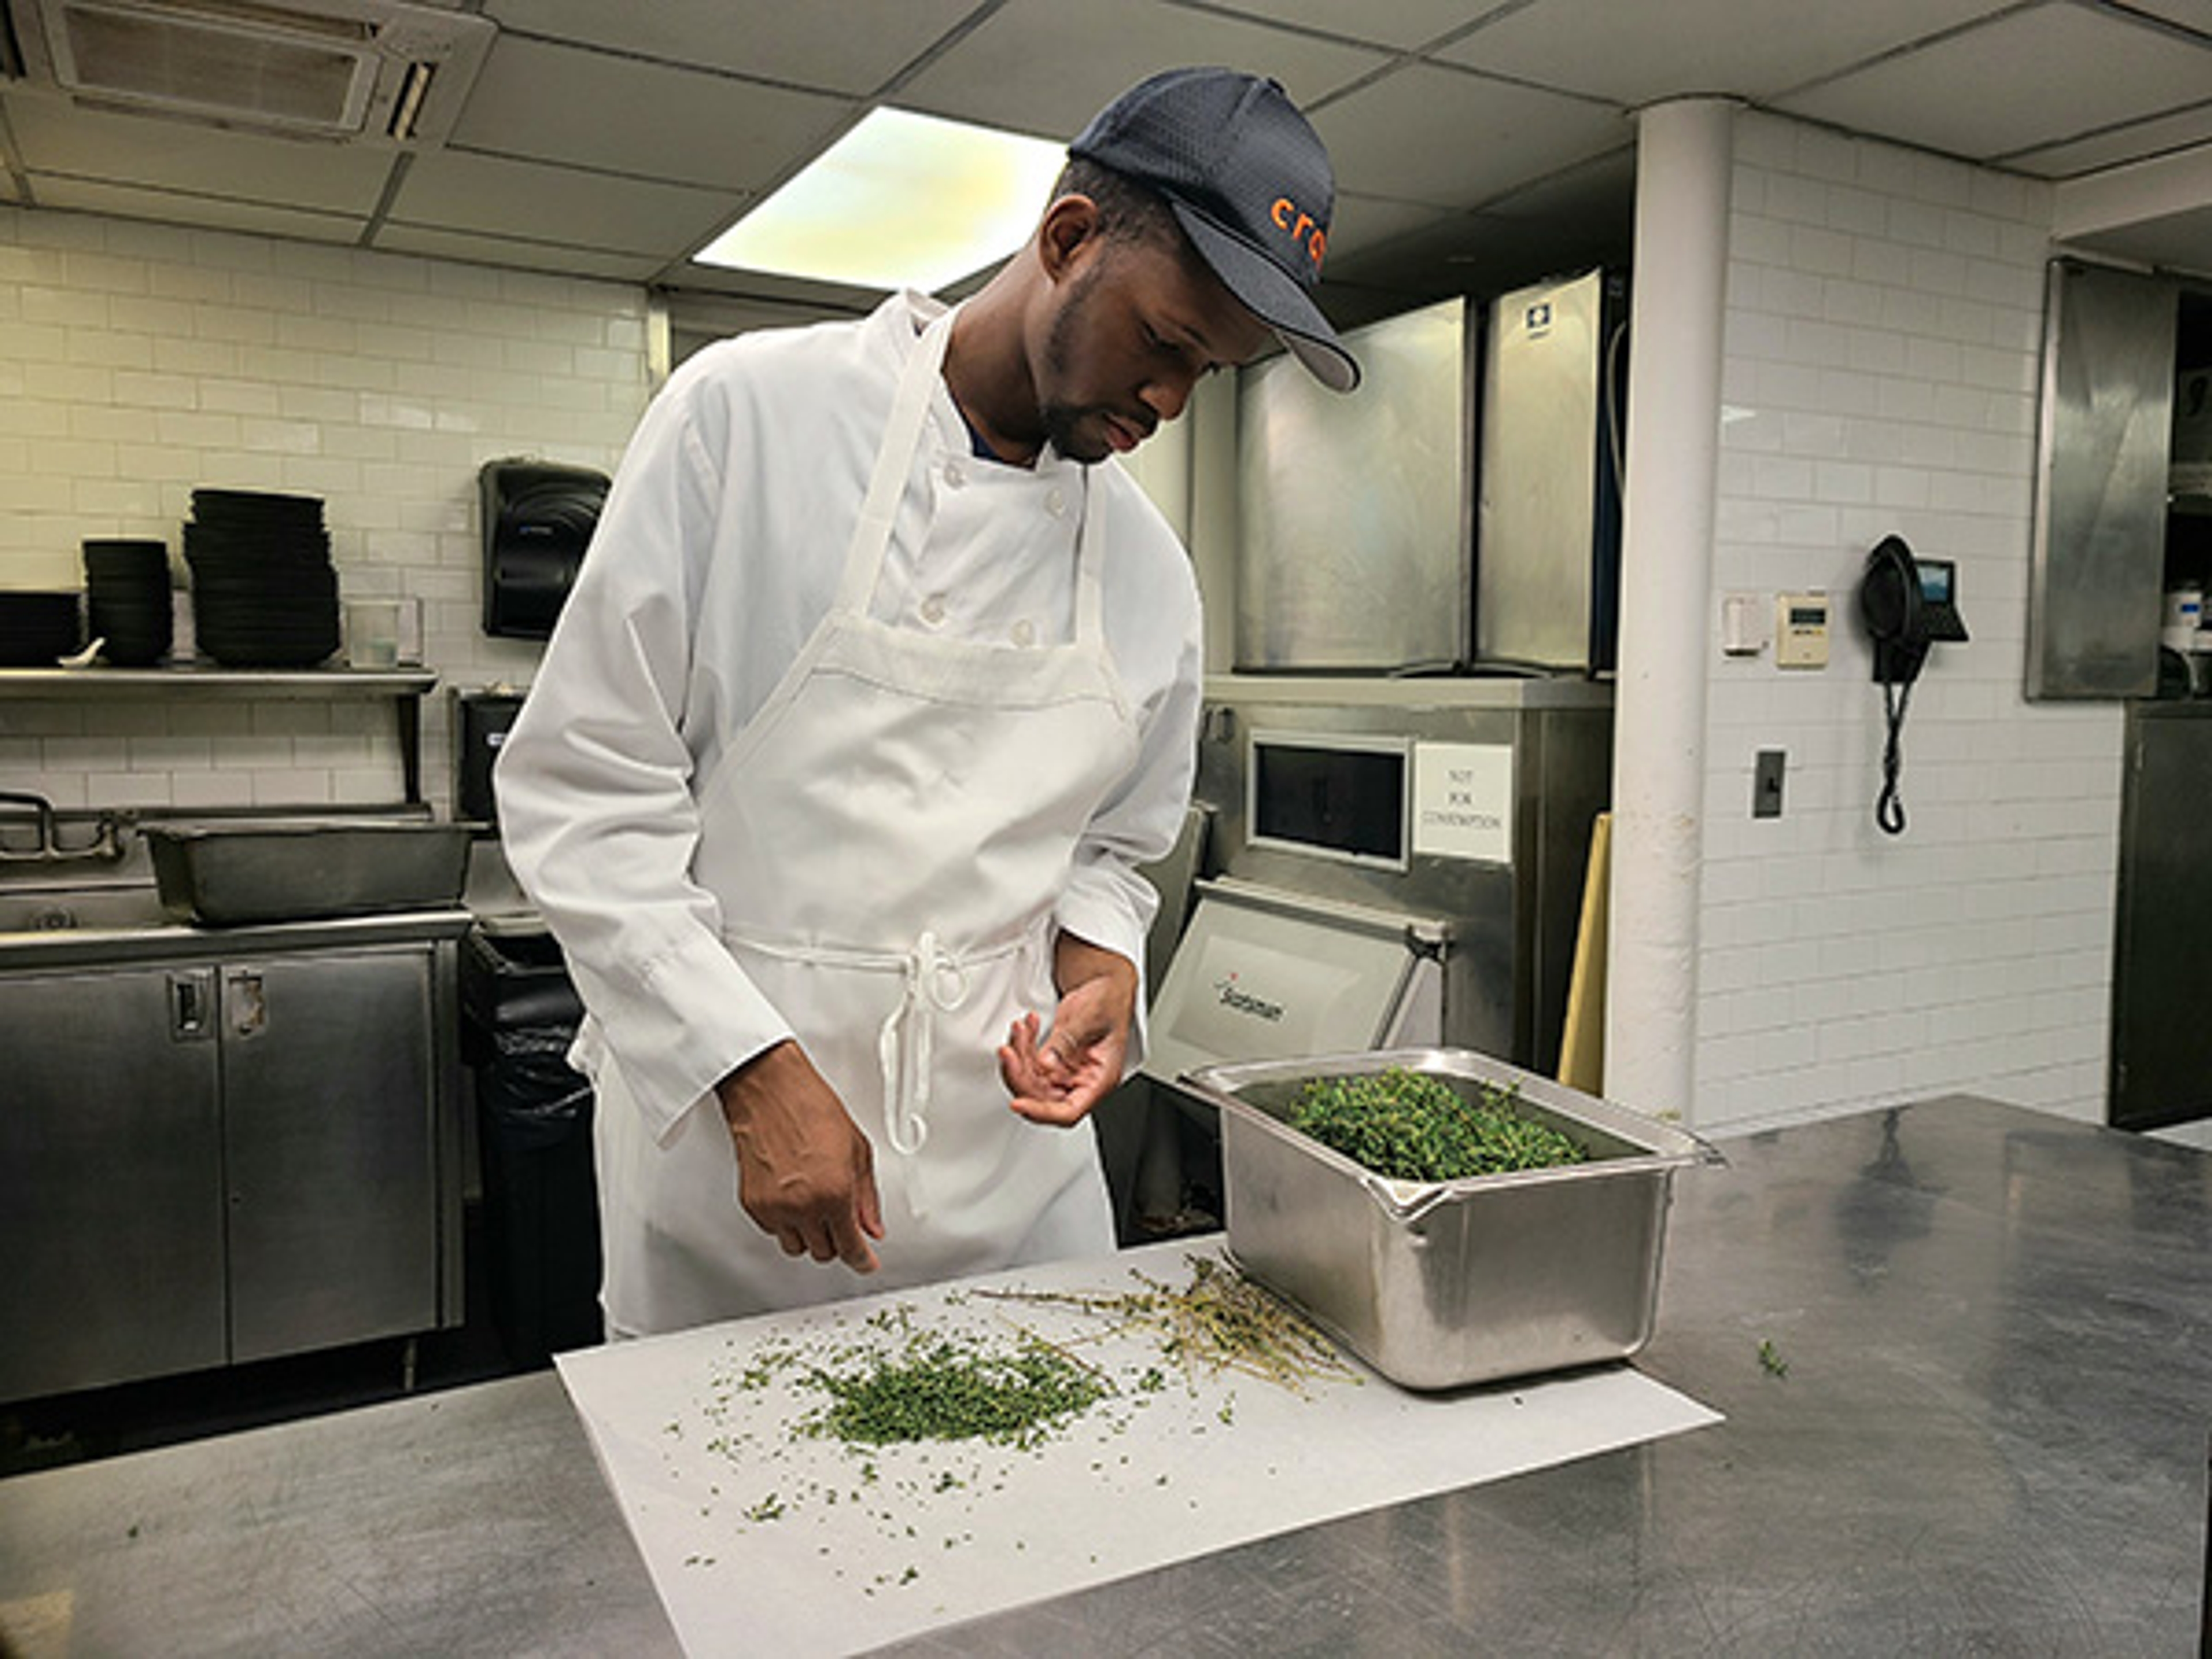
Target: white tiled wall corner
138,361
1880,376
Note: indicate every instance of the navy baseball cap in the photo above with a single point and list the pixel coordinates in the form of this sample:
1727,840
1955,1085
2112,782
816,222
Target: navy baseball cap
1250,182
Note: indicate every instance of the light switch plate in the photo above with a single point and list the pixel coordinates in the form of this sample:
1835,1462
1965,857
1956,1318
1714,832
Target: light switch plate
1741,633
1800,631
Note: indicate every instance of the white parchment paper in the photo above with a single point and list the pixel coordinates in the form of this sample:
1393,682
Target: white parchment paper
763,1539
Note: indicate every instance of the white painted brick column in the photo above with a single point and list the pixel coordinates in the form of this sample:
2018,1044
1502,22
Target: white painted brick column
1683,161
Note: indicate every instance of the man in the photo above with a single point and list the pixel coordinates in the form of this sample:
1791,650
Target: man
878,685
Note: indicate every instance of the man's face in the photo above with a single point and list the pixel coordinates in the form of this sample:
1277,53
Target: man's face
1137,326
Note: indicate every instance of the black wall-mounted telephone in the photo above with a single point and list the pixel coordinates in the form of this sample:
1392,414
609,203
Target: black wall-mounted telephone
1907,604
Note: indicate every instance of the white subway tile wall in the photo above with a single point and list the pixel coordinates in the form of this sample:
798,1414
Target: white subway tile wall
139,361
1880,377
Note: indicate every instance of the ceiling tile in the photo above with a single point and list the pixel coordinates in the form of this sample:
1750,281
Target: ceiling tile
587,108
2128,143
2027,79
200,212
2189,14
1046,66
1601,189
471,249
53,136
559,206
1636,54
1363,223
851,47
1401,24
1582,219
1454,140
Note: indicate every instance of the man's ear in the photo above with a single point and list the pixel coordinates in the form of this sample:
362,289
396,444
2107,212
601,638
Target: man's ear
1069,228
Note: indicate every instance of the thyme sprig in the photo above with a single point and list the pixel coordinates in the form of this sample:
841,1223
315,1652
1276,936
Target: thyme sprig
1220,1321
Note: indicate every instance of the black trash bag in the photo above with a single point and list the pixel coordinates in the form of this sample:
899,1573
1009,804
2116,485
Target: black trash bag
533,1096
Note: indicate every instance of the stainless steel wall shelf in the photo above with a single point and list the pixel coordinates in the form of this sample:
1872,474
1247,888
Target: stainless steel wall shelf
404,687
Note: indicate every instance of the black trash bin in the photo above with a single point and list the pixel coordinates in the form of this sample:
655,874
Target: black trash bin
541,1211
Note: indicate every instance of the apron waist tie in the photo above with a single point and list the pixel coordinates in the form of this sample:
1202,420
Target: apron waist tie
933,980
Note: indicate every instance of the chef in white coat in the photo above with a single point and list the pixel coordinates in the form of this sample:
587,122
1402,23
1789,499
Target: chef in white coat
880,681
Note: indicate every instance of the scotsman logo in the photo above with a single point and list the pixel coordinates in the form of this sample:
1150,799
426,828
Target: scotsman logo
1245,1003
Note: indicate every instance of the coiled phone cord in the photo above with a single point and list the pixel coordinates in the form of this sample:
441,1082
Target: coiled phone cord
1889,805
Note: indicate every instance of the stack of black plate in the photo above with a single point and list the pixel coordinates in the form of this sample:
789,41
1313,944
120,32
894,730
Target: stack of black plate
264,593
126,592
38,630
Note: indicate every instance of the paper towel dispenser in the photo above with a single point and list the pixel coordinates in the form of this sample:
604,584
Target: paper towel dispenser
538,518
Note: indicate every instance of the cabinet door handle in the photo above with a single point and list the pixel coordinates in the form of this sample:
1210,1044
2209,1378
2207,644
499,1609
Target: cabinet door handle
244,1001
192,998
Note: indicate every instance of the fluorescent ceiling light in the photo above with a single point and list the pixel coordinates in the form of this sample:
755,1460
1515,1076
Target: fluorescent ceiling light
900,201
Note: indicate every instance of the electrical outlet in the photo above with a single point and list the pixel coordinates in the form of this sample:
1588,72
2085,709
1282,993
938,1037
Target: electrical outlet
1766,783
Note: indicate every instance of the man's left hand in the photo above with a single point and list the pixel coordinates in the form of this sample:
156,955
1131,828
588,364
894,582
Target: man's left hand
1058,1077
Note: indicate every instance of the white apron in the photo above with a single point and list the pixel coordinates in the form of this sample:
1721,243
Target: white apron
887,838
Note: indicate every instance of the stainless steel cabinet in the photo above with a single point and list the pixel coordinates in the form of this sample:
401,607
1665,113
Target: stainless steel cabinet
328,1149
111,1178
224,1161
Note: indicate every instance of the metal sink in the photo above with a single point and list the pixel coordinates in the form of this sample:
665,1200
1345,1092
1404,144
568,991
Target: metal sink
81,909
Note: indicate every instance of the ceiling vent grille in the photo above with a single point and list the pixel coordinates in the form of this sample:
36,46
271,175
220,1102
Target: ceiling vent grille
376,71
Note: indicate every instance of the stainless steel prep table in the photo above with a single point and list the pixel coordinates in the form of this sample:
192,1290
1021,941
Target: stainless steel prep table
1991,1437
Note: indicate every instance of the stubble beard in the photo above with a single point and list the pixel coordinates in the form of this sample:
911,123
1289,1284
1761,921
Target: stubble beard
1063,423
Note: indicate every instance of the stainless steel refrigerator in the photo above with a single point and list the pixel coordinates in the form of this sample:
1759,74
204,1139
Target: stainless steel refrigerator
1460,511
1547,532
1355,513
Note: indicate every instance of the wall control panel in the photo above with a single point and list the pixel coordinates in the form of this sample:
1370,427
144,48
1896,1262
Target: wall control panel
1800,631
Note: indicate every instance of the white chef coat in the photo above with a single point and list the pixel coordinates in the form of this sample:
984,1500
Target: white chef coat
707,574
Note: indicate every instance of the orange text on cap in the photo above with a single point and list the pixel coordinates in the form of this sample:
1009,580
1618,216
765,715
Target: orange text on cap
1301,226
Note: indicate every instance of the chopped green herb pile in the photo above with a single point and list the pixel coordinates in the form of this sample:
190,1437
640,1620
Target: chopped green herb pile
1410,1126
938,1388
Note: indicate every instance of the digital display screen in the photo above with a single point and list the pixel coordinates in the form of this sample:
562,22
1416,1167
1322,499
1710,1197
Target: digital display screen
1936,580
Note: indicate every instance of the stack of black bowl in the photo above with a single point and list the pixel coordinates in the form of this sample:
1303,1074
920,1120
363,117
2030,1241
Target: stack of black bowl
127,606
264,593
38,630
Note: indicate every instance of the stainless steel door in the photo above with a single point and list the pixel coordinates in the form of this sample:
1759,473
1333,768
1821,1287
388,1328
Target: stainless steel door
1538,529
328,1064
111,1179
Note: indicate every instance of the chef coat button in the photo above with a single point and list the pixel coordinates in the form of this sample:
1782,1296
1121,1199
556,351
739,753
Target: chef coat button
955,473
1056,503
1024,632
933,608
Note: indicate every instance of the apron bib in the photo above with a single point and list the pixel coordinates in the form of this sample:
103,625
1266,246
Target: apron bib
887,838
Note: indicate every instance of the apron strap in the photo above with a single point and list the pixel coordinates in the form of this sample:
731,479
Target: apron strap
864,558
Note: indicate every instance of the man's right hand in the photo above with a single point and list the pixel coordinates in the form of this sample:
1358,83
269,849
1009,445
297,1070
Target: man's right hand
805,1173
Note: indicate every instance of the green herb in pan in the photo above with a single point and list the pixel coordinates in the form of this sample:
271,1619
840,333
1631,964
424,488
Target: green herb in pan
1411,1127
